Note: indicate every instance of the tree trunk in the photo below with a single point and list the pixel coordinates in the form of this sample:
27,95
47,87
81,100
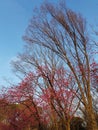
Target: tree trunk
68,125
91,120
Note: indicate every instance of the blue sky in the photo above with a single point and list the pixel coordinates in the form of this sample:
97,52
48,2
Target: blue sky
14,19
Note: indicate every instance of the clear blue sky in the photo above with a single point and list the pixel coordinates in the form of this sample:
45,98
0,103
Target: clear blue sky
14,18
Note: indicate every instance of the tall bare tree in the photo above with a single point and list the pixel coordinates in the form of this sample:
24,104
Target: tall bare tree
64,32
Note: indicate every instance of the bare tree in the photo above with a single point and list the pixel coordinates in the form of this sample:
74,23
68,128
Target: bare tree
64,32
